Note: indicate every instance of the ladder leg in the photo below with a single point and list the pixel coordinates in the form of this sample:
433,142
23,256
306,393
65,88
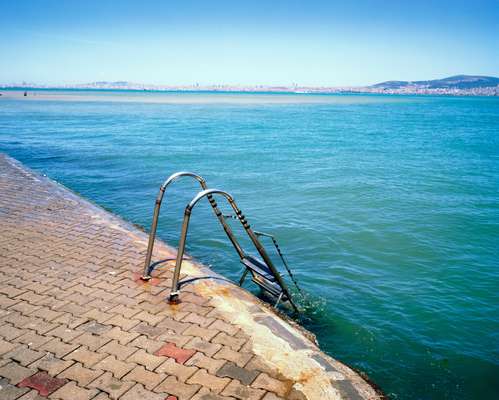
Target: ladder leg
243,277
278,300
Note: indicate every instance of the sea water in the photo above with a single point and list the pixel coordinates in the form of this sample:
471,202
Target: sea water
386,207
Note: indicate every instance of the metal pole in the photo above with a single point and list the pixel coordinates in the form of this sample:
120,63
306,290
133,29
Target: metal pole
227,229
152,236
180,254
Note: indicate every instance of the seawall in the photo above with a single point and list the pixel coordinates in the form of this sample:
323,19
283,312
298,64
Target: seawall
77,322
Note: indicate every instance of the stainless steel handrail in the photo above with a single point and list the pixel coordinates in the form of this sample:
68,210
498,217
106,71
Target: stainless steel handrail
146,275
175,291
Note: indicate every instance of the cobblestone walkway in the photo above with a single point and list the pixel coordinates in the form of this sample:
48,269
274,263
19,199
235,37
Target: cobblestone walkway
77,323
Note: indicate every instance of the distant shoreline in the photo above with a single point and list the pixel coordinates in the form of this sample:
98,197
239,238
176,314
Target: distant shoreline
481,92
457,85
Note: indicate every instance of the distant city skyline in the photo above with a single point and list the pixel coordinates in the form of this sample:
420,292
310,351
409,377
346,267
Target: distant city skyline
312,43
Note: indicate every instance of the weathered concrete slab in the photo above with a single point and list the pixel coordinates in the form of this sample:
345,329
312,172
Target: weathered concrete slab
75,321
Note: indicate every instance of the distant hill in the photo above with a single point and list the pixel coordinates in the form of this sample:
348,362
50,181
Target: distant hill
452,82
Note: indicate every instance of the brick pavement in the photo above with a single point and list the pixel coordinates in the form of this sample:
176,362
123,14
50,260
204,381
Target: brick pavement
76,323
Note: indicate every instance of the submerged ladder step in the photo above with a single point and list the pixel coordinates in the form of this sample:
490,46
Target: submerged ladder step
259,267
262,276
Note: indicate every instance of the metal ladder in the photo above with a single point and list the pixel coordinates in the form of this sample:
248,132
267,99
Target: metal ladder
264,272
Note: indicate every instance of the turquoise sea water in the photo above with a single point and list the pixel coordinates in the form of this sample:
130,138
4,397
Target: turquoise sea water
387,208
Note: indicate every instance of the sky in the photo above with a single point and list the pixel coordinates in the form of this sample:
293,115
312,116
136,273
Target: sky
252,42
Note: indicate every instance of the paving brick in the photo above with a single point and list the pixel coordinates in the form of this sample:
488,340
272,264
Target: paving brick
223,326
51,364
102,396
77,372
116,367
204,333
85,356
64,333
32,395
94,327
6,346
24,308
182,372
272,396
73,309
240,359
24,355
203,346
191,307
233,371
263,381
9,332
210,364
148,379
97,315
91,341
150,331
197,319
179,389
194,298
85,290
58,347
11,291
234,343
6,302
149,318
100,304
147,360
242,392
179,339
206,394
160,309
33,340
203,378
112,386
122,322
10,392
126,312
147,344
70,320
102,294
121,336
43,383
173,325
180,355
138,392
16,319
40,326
120,351
70,391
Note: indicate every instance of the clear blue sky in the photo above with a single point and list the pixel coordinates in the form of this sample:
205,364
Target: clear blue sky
246,42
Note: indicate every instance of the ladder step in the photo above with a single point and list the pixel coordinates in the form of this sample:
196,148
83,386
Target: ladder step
262,275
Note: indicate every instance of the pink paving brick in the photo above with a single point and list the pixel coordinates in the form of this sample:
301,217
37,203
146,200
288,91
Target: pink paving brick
180,355
43,383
